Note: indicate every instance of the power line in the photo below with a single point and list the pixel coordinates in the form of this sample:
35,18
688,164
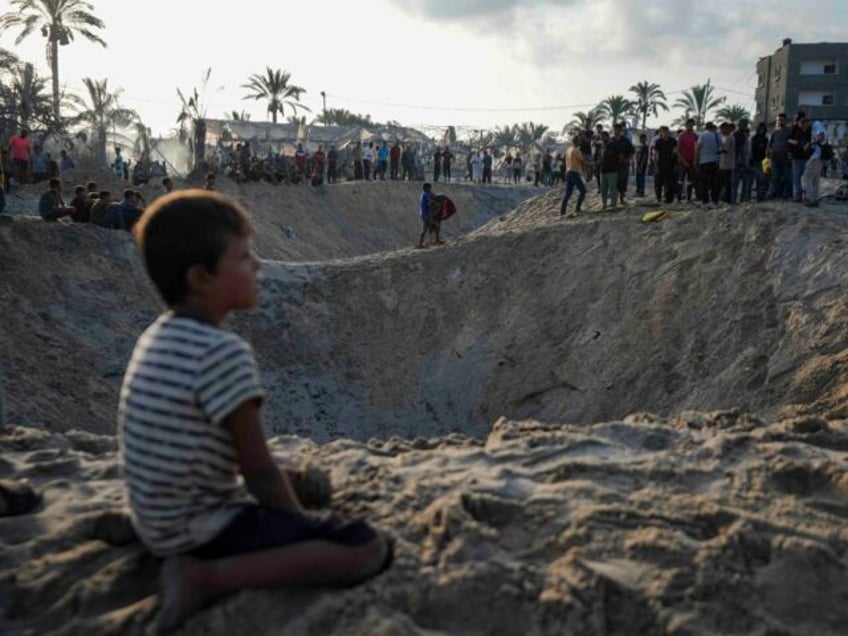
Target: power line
501,110
459,108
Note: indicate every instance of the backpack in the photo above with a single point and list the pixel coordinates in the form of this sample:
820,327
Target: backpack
826,152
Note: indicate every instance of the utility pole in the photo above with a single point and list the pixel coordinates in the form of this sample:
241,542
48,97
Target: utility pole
324,107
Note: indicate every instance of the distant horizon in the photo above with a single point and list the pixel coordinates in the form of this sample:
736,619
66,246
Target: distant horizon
470,64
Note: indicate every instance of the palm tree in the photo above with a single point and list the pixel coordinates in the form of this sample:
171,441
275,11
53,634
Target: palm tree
505,137
25,101
529,133
680,122
274,86
58,21
649,99
237,116
733,113
699,101
193,111
617,107
502,138
104,115
144,143
343,117
7,60
585,120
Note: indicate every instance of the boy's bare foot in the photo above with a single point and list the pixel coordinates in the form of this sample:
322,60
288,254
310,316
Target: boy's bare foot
181,592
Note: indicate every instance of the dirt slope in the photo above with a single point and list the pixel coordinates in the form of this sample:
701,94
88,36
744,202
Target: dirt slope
301,223
570,321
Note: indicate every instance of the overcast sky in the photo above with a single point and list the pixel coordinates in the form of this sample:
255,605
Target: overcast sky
469,63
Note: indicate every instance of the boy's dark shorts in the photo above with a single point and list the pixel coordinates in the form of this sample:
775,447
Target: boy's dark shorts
430,224
260,528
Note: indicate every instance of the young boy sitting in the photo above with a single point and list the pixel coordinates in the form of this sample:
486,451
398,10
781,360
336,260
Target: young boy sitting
189,421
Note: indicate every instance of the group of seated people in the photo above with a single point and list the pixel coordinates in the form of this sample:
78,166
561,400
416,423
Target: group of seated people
92,205
144,170
242,165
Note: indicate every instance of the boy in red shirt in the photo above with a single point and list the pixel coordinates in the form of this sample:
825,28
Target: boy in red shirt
686,148
19,153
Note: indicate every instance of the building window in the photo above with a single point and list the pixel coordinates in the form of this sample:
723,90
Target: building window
815,98
819,67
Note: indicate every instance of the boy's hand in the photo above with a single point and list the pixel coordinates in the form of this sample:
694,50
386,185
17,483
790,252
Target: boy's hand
311,485
261,475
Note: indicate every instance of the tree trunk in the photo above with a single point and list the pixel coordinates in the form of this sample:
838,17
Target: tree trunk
101,147
199,142
274,116
54,69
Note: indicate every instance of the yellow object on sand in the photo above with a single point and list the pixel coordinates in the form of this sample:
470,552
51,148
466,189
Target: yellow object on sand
650,217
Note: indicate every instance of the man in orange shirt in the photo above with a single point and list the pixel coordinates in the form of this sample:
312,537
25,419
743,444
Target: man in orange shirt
19,153
575,165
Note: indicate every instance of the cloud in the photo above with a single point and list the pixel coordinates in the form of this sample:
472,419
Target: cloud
464,9
720,33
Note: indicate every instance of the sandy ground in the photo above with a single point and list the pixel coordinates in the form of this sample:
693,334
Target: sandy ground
713,523
530,409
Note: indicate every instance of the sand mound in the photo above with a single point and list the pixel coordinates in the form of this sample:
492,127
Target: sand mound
702,523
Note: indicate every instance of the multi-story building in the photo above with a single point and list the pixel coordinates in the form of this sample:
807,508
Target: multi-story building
805,77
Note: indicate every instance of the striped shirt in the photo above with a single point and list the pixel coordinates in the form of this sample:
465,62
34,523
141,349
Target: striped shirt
180,468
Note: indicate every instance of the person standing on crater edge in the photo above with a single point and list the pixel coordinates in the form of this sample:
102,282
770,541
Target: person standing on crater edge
394,161
429,205
437,164
367,160
20,149
357,161
447,162
576,166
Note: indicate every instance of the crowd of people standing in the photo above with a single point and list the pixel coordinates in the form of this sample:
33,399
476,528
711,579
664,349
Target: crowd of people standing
722,163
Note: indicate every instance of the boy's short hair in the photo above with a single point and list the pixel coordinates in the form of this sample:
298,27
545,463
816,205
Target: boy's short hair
79,189
129,195
104,194
54,182
183,229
